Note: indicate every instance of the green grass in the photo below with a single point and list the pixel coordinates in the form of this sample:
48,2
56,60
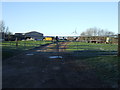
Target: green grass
9,48
106,68
91,46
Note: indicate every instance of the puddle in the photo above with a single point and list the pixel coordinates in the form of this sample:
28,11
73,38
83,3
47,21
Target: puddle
56,68
29,54
55,57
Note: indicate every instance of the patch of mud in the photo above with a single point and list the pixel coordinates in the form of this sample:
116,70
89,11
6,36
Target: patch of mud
56,68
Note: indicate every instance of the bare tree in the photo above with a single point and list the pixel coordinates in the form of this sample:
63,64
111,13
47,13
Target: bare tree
109,33
83,34
4,31
89,32
2,26
97,32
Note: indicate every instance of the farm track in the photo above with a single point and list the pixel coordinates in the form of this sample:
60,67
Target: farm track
53,47
64,46
34,69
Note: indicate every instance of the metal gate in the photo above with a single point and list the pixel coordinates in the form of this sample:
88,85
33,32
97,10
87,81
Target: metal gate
82,48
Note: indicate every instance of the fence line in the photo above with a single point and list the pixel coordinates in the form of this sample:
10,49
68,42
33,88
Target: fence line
71,45
79,46
23,44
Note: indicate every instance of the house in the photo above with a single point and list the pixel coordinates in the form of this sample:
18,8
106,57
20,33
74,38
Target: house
34,35
19,36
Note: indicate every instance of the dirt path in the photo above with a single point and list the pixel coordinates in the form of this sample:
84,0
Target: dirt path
34,69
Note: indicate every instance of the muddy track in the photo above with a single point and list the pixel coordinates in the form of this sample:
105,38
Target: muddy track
63,46
53,47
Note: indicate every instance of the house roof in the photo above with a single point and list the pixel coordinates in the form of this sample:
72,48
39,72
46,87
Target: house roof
33,32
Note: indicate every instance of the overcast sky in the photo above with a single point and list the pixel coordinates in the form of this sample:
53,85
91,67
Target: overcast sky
59,18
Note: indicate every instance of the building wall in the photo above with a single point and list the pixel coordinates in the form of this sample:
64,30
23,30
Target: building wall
35,35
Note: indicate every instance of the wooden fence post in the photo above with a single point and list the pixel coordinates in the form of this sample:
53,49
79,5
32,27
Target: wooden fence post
16,42
25,44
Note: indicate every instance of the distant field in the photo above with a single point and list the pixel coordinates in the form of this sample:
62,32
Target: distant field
73,46
9,48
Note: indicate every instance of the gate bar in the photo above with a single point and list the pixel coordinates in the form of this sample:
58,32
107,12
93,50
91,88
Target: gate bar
118,44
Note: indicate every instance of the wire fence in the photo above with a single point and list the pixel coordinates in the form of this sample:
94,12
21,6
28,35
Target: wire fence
23,45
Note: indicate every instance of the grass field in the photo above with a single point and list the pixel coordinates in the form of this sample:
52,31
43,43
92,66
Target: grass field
106,68
10,49
91,46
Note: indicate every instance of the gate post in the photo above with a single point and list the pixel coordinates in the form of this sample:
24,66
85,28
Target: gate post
57,44
16,42
118,44
119,28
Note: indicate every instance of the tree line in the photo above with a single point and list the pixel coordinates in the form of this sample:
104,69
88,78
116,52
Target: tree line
96,32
